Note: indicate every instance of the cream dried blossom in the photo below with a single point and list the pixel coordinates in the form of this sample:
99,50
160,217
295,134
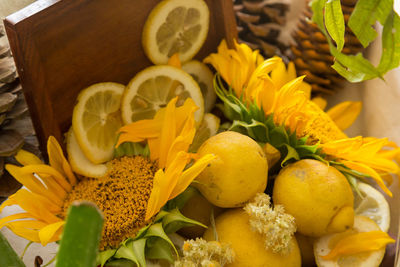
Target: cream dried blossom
277,226
200,253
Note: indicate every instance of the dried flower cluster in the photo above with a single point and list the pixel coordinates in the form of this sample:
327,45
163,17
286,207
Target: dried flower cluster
277,226
199,252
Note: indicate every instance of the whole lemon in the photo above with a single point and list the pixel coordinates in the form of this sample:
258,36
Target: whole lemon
317,195
237,174
233,228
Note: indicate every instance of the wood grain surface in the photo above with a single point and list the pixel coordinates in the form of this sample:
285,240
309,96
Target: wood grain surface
63,46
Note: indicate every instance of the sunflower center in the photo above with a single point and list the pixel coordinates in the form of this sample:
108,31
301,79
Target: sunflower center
122,195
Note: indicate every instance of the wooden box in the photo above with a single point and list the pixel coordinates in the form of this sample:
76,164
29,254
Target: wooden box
63,46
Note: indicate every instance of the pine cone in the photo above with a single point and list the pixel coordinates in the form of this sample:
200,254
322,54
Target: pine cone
260,23
311,55
16,129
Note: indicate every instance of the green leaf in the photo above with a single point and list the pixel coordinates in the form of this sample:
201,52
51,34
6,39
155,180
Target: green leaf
133,250
364,16
81,236
355,68
156,230
8,257
121,263
291,154
278,137
104,256
334,22
160,249
131,149
174,221
390,58
317,6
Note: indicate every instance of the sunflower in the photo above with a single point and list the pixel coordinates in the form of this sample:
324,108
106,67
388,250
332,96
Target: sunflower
134,189
269,103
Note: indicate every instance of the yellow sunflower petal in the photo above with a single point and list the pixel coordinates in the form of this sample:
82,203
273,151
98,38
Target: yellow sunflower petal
154,204
320,101
29,224
174,61
50,232
33,205
24,157
184,140
58,161
369,171
168,132
190,174
359,242
29,234
345,113
33,184
13,217
49,171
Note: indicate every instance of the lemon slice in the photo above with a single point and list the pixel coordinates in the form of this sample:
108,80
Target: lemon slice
79,163
323,246
373,205
152,89
208,127
96,119
204,77
175,26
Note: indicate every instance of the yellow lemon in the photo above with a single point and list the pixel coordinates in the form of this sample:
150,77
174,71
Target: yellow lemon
208,127
373,205
175,26
96,119
237,174
317,195
323,246
79,163
233,228
152,89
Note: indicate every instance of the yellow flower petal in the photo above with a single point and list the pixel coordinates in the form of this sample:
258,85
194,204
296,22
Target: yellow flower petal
25,158
154,203
47,171
29,234
50,233
369,171
28,224
168,133
320,101
34,185
13,217
58,160
34,205
174,61
359,242
190,174
345,113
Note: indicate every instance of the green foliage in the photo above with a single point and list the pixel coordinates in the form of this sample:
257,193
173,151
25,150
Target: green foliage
251,120
81,237
8,257
151,242
327,14
131,149
334,22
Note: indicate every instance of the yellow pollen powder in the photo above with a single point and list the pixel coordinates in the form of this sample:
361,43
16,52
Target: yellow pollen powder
122,194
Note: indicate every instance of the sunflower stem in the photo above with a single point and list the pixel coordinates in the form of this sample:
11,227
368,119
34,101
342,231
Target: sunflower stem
81,237
8,257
